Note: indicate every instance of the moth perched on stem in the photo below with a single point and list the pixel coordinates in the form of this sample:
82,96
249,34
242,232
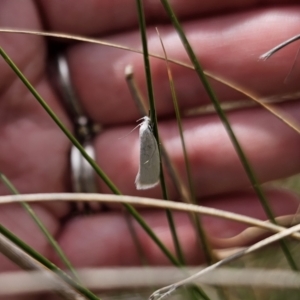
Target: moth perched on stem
149,169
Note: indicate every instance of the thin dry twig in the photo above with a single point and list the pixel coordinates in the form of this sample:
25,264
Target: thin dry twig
275,111
150,202
266,55
251,234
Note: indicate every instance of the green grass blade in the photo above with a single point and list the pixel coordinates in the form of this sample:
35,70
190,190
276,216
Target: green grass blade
147,67
227,126
40,224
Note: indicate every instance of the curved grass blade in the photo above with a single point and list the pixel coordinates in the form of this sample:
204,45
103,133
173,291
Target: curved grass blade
266,55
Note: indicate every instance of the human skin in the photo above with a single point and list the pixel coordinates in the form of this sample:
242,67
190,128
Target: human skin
34,153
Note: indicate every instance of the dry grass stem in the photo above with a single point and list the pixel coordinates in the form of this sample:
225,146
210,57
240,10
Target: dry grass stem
166,291
275,111
149,202
105,279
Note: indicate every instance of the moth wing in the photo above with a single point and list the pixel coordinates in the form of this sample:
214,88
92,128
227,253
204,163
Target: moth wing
149,170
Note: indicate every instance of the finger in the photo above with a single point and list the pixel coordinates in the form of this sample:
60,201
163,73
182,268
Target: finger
228,46
94,17
35,155
34,152
282,202
271,147
108,242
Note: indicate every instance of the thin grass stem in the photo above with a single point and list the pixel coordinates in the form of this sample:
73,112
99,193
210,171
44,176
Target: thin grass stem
48,264
142,24
197,221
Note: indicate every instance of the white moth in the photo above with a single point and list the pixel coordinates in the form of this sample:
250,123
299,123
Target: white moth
149,169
